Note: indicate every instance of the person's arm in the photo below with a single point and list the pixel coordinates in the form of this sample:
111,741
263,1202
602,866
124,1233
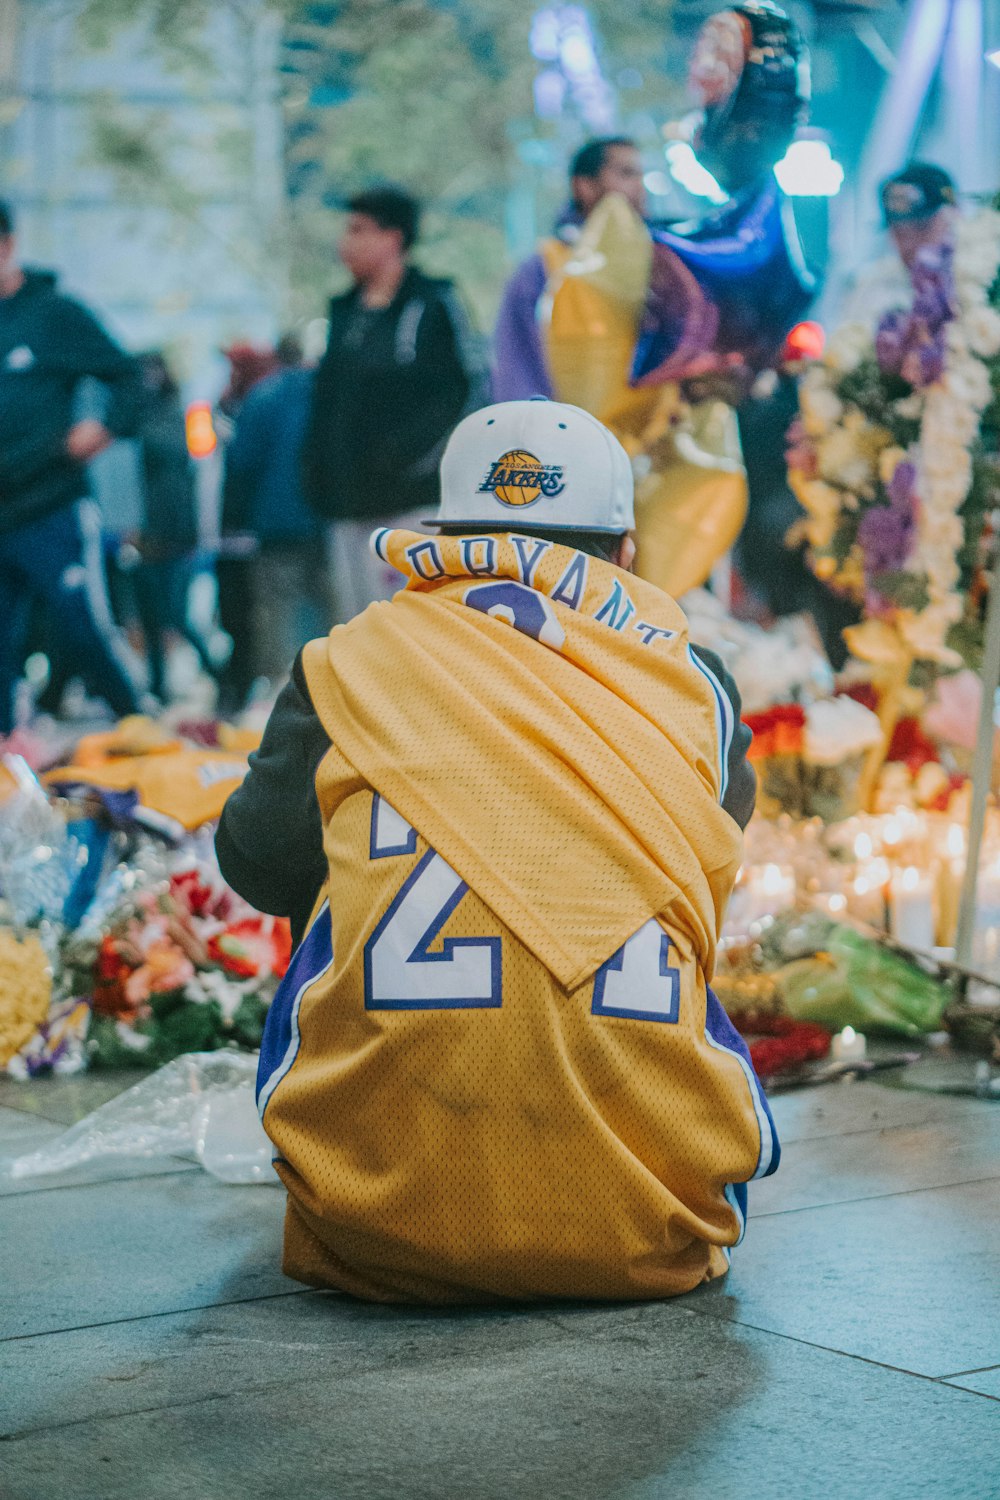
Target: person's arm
80,348
741,790
270,837
519,368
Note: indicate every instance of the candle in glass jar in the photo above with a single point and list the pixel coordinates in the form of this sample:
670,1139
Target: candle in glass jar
912,903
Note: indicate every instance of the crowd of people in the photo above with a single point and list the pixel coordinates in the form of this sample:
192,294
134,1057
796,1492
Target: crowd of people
314,458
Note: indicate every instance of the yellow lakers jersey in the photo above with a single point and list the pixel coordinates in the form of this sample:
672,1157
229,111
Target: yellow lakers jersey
452,1124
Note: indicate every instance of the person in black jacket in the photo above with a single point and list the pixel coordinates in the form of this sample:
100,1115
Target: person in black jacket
168,540
50,534
400,370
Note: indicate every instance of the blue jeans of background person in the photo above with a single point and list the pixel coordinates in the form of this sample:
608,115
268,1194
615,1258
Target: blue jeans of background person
161,591
58,560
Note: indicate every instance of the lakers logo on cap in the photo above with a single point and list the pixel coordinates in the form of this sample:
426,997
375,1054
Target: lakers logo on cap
519,478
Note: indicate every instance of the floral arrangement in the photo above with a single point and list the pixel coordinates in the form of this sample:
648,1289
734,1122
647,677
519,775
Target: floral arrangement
165,964
119,945
895,459
810,759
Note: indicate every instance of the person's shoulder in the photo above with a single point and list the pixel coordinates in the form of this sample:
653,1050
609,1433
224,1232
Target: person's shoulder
431,288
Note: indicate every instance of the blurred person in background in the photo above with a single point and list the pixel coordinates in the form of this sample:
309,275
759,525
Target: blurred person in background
50,531
168,540
400,369
610,164
290,601
919,208
247,367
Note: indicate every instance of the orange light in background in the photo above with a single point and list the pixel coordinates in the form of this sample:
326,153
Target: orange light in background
805,341
199,430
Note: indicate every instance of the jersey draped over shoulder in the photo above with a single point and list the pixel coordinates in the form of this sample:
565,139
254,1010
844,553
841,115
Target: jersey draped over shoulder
540,717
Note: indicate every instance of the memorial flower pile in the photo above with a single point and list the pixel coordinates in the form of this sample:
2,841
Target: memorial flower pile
896,457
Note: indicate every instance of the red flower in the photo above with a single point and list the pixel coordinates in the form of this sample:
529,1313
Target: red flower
255,946
188,889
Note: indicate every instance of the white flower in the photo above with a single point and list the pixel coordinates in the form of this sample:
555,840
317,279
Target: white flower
969,382
982,329
842,461
910,406
851,343
947,421
821,406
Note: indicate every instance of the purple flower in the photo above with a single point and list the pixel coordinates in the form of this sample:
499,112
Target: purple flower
884,534
889,342
912,344
902,486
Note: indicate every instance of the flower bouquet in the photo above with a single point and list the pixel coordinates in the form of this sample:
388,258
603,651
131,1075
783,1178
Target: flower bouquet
895,462
810,760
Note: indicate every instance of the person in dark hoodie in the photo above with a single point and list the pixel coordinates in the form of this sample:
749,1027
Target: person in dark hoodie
50,534
400,369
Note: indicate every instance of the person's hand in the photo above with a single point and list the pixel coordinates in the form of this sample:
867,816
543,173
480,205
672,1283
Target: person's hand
86,439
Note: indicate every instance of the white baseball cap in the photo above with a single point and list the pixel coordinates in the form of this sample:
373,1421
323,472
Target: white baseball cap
535,465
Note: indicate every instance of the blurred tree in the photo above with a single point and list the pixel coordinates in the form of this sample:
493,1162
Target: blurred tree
434,94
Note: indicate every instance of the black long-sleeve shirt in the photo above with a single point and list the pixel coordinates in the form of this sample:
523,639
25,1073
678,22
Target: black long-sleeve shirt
48,344
270,837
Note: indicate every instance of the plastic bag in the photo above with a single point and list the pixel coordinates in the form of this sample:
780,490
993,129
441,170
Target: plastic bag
200,1107
856,982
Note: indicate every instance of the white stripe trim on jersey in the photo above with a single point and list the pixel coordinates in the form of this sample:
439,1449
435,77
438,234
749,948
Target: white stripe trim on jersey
292,1050
763,1123
730,1196
725,719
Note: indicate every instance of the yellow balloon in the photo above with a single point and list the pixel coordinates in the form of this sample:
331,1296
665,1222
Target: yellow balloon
690,507
691,499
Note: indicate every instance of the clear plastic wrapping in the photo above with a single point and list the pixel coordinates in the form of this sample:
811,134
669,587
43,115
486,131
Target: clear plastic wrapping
200,1107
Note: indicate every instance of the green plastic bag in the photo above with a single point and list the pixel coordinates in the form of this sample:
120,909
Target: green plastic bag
853,981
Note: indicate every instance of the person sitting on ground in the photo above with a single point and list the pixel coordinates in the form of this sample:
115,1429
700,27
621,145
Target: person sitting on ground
506,807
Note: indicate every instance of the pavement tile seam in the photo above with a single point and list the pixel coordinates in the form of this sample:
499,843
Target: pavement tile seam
863,1359
961,1374
166,1312
810,1208
34,1114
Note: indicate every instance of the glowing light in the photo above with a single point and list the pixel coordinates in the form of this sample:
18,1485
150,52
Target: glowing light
545,36
863,846
686,169
199,429
773,881
994,58
847,1035
955,841
910,878
808,170
806,341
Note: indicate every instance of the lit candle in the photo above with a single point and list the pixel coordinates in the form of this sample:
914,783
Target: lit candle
950,872
913,908
866,893
848,1046
986,933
